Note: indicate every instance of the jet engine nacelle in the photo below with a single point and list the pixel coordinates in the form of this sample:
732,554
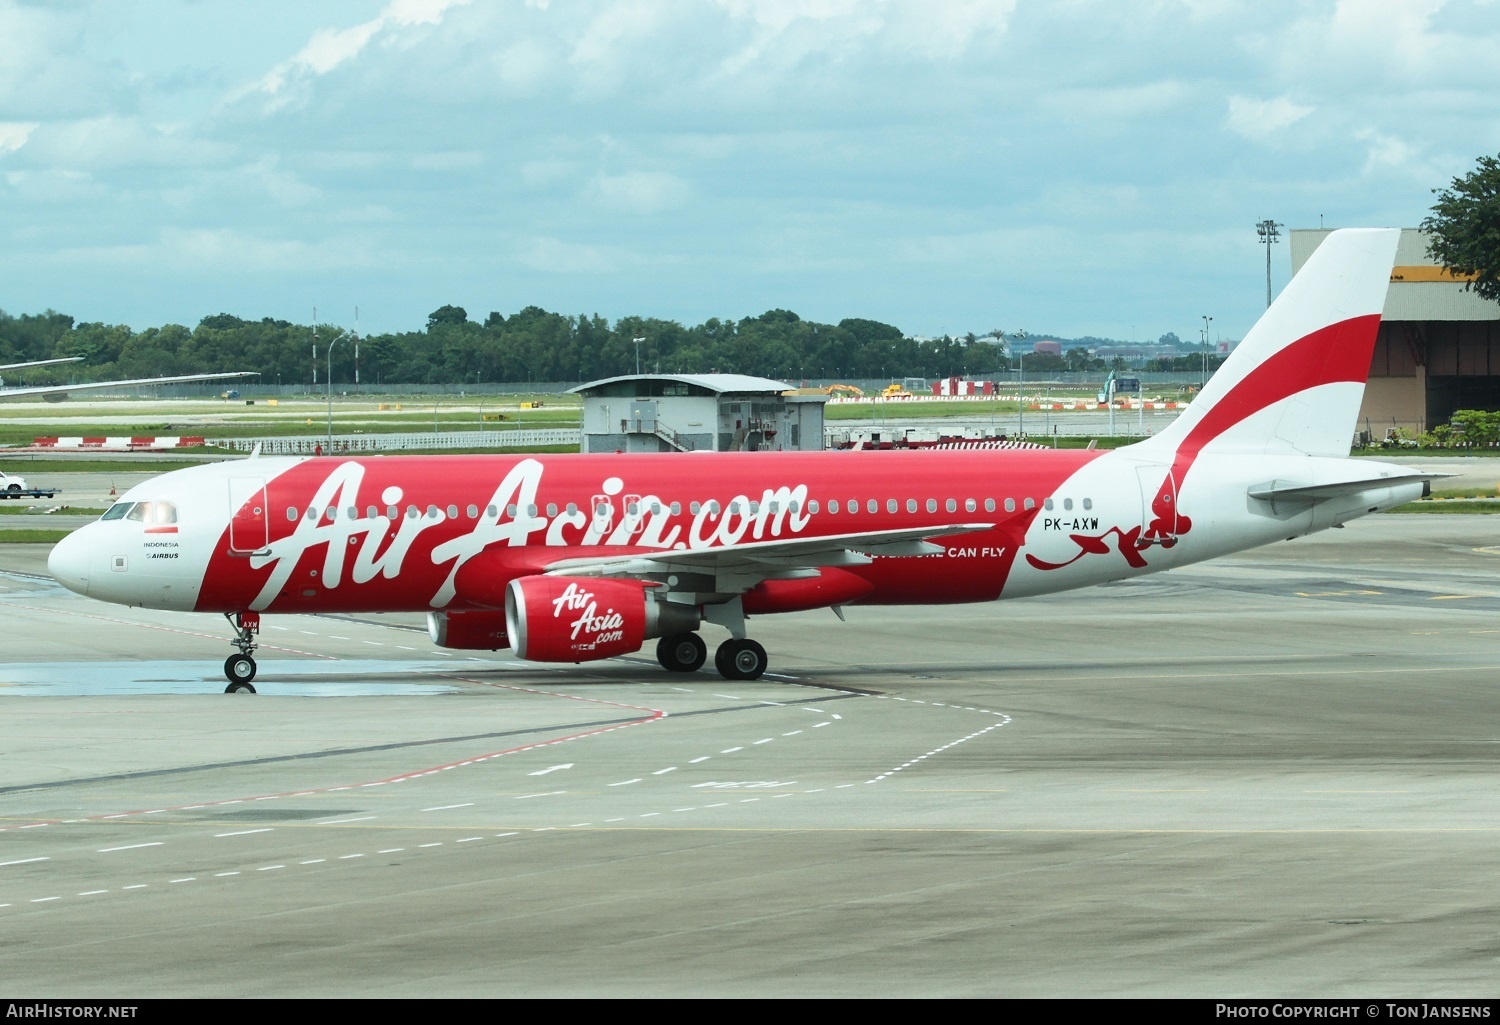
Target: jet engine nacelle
473,631
573,619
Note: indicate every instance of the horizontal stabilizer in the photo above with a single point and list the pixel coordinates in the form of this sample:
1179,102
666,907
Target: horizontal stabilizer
1294,491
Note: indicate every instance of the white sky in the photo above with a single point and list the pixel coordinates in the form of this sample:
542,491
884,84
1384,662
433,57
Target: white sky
1069,166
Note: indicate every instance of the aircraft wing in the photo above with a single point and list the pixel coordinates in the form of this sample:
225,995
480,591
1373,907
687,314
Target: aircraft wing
40,363
760,560
62,390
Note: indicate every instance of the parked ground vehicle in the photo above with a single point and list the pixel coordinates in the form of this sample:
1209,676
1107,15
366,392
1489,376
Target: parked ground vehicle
12,486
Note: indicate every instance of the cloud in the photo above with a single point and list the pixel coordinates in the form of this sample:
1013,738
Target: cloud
638,192
558,257
329,48
1258,120
13,135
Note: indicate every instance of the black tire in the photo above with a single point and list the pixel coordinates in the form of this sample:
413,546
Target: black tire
682,653
740,659
14,487
239,670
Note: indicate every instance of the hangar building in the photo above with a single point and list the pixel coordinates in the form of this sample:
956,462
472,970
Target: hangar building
698,412
1439,344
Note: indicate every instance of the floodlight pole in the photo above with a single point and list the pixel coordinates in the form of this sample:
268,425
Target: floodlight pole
1021,394
1269,236
638,342
329,358
1207,320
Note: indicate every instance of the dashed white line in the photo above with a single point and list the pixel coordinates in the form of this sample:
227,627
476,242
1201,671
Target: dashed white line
242,832
130,847
704,758
449,807
92,893
624,782
23,861
339,822
663,772
730,750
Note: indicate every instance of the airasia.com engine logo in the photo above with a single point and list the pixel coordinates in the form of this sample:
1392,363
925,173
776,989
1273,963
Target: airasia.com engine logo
590,629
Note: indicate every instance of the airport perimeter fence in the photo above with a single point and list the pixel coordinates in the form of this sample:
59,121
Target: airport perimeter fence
342,444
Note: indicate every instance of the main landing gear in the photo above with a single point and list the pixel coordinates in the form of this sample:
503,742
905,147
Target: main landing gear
240,668
738,658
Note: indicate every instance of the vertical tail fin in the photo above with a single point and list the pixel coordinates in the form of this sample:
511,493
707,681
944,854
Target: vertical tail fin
1295,383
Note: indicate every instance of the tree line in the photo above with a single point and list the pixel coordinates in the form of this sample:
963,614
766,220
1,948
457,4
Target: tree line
531,345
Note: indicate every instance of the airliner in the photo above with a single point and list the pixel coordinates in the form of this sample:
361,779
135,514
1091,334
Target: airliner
575,558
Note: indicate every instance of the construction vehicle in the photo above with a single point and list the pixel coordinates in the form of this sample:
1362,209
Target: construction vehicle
843,391
895,391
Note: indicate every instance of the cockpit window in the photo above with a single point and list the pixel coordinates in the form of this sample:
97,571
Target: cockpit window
117,511
152,514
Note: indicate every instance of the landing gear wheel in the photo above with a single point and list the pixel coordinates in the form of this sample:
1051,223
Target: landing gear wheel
740,659
240,670
682,653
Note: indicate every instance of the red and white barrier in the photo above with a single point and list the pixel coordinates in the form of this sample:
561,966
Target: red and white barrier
133,444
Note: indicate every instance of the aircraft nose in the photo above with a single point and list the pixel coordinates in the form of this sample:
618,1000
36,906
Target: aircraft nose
69,562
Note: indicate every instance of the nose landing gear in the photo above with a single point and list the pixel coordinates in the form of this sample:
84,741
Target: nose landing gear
240,668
